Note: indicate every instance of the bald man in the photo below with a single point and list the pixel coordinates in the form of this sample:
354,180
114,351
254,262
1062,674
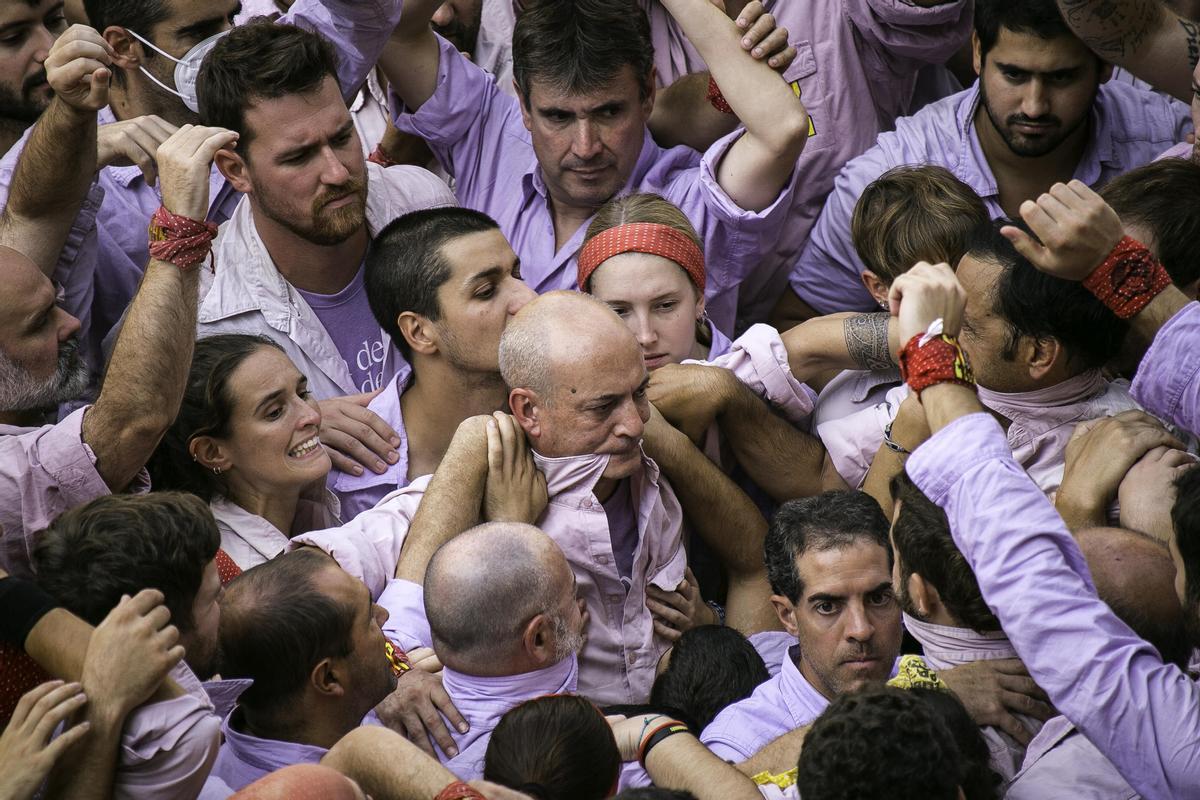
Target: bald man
577,391
100,448
504,634
1135,576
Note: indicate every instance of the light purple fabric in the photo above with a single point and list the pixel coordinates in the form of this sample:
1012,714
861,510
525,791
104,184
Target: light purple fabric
618,663
773,646
855,68
357,493
1042,422
358,32
1129,128
1181,150
248,294
1139,712
1061,762
947,647
43,472
779,705
1167,381
250,540
245,758
477,133
346,317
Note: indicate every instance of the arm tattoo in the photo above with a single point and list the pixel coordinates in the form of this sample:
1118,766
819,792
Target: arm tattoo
867,340
1192,32
1115,29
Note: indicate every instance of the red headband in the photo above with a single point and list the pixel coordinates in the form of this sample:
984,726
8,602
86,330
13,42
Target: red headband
642,237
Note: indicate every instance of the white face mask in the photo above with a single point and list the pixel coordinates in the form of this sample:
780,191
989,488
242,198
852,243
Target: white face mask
187,69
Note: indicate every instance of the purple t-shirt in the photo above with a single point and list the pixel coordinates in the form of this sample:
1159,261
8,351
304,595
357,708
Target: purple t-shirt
622,529
348,319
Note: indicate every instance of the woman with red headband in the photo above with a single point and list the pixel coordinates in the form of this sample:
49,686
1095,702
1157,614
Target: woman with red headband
643,258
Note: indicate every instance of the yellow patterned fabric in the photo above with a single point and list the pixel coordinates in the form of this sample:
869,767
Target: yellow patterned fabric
913,673
783,780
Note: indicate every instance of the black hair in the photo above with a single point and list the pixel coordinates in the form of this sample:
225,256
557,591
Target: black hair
205,410
1039,18
977,779
1185,518
828,521
925,547
276,626
121,544
879,742
558,747
711,667
405,264
256,61
1036,304
581,45
136,15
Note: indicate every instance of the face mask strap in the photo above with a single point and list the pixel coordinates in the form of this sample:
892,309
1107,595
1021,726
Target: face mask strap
152,46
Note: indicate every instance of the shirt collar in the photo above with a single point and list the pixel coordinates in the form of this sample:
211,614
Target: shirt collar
803,701
268,754
578,475
489,697
258,534
1049,402
945,646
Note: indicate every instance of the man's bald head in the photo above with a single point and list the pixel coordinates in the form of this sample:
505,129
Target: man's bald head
1135,576
560,328
483,588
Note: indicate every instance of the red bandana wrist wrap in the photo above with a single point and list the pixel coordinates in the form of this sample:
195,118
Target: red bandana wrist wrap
1128,279
459,791
927,360
717,99
381,158
642,237
181,241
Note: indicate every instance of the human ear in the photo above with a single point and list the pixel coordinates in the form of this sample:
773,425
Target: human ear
785,610
209,453
234,168
418,332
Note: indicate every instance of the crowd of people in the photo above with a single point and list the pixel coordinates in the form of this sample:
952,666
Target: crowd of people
568,399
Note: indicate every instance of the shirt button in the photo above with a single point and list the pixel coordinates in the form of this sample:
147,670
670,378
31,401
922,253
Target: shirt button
601,559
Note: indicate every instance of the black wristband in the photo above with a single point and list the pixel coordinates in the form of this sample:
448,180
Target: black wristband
24,604
664,732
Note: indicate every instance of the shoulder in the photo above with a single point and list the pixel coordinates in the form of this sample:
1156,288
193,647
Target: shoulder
397,190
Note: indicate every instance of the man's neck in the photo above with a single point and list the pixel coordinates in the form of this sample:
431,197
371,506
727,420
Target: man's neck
321,269
567,220
128,102
1020,178
313,727
437,402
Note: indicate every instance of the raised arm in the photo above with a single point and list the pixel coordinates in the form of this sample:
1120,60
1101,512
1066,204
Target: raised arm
411,59
58,163
144,384
761,162
1143,36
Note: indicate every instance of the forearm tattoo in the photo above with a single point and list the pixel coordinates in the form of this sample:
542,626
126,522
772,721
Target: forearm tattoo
867,340
1192,32
1115,29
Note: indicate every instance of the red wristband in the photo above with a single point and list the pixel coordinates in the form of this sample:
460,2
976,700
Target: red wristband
1128,279
717,99
939,360
381,158
178,240
459,790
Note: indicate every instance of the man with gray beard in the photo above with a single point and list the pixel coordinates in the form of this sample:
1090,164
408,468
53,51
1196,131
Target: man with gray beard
500,607
100,448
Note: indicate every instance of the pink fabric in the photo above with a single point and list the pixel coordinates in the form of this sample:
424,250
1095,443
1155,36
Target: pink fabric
250,540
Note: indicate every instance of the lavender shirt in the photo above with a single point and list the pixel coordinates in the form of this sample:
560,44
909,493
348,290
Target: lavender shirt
1167,381
778,706
1139,712
855,69
477,134
1061,762
245,758
43,472
347,318
1129,127
358,32
357,493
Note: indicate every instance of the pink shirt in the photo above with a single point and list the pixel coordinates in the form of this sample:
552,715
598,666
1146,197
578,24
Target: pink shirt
43,472
1061,762
617,665
251,540
358,493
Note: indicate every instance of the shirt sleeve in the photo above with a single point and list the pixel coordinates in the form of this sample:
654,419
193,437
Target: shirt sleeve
467,123
1167,382
357,29
1138,711
407,624
897,37
758,359
42,473
828,275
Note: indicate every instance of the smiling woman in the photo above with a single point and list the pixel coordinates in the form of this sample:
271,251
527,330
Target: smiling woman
246,441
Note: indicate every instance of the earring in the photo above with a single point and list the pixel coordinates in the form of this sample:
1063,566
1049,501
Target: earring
884,305
216,470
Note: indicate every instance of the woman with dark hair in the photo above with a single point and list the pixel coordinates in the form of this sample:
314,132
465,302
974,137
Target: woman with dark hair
558,747
245,441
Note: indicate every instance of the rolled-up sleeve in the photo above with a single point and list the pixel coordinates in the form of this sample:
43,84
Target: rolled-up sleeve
1139,712
758,359
357,29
